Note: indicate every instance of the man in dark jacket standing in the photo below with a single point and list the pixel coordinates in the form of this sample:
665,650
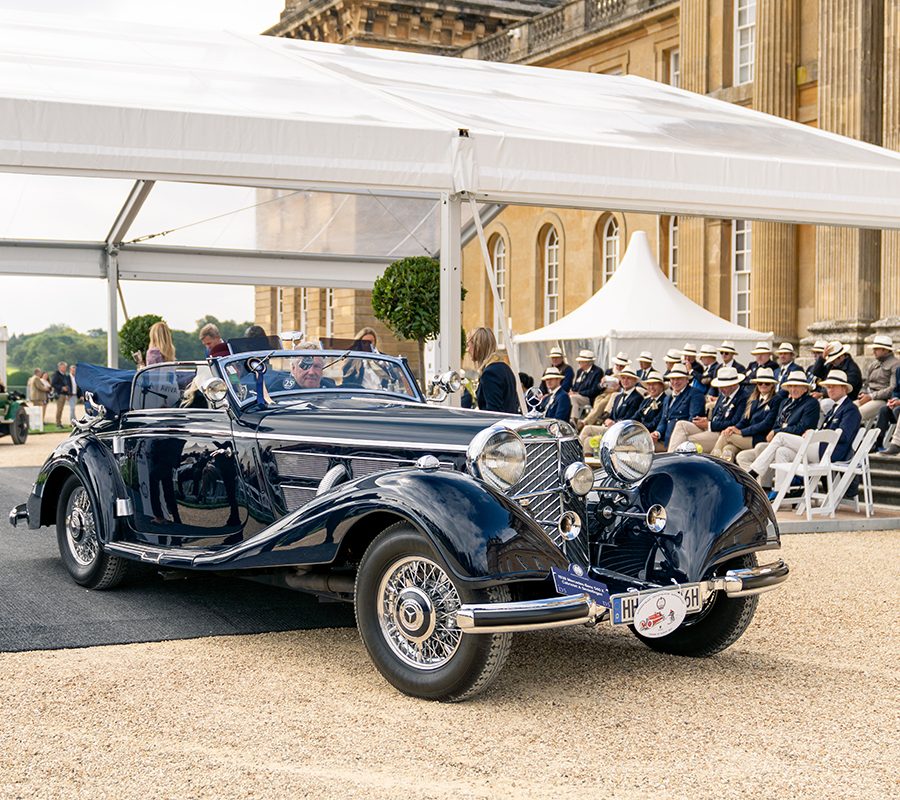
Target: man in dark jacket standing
62,387
684,403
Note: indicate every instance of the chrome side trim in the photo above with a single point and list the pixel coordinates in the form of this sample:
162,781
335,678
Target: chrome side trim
124,508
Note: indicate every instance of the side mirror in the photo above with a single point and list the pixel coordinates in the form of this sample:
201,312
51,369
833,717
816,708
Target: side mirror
214,390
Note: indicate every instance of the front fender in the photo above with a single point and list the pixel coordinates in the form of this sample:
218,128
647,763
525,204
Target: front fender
482,536
716,512
82,455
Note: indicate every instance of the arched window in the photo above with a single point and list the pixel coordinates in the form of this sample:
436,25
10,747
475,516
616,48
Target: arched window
498,261
610,248
741,258
551,276
673,250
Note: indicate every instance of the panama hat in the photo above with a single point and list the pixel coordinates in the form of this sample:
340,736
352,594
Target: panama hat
551,372
678,371
621,360
628,372
673,355
835,350
585,355
689,350
646,357
654,377
727,376
883,341
819,346
761,349
557,352
785,347
836,377
764,375
797,378
727,347
706,350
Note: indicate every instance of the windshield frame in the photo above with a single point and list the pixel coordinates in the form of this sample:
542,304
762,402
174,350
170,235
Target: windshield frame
329,356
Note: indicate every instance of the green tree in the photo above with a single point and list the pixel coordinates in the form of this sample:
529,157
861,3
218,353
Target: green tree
43,350
228,328
187,346
135,335
407,298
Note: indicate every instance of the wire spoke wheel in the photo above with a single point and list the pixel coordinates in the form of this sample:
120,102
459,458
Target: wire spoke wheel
81,528
417,605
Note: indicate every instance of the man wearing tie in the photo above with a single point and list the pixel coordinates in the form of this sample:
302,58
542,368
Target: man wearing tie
627,400
729,408
786,365
684,403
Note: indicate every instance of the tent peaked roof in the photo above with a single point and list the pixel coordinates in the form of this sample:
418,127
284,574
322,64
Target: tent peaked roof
639,301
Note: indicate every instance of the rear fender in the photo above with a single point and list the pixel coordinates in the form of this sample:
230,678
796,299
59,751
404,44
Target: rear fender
716,512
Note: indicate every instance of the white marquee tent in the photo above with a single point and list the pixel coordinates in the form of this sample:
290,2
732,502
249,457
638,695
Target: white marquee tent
637,309
83,100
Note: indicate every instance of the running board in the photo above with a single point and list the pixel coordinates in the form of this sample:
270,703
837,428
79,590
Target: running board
158,555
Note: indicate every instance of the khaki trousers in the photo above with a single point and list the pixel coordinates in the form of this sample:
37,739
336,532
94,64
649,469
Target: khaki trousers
782,449
685,431
579,403
870,410
728,447
60,405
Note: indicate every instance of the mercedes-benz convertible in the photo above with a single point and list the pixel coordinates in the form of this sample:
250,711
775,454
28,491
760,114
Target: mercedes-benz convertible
448,529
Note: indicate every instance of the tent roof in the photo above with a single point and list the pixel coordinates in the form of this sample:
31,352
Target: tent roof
110,100
639,302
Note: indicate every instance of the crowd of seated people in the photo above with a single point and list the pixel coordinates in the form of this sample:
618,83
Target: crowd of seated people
754,416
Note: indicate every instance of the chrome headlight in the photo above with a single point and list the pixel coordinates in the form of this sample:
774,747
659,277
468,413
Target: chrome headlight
497,455
579,478
626,451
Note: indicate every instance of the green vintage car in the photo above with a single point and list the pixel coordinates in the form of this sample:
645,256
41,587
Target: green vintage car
13,417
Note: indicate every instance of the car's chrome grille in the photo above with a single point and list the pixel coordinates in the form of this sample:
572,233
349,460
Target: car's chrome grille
301,465
297,496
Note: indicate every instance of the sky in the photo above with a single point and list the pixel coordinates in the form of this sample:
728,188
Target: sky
29,304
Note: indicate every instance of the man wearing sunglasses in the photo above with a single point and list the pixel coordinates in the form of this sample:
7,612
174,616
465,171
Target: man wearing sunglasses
307,371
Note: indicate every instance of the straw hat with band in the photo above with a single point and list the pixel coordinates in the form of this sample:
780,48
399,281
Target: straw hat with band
646,357
551,372
678,371
673,355
883,341
654,377
707,350
689,350
585,355
628,372
785,347
797,378
727,347
836,377
765,375
761,349
557,352
819,346
727,376
835,351
621,360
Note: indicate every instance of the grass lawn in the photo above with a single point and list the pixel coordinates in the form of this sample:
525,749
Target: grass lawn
50,427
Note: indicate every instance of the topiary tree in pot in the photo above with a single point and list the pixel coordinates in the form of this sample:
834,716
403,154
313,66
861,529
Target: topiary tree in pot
135,335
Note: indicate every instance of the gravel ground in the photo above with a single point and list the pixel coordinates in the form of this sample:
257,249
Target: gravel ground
805,705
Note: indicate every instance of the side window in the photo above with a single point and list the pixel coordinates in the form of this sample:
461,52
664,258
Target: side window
167,386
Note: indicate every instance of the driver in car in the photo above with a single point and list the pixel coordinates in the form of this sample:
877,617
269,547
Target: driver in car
307,371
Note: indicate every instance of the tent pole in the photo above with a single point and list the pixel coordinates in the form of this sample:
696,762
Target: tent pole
448,355
498,303
112,301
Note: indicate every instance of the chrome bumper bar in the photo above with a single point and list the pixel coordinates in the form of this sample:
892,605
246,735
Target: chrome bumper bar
17,513
579,609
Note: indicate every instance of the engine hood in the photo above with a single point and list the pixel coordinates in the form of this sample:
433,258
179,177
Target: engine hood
375,421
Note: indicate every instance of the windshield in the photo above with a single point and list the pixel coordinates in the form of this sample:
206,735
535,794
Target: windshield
291,374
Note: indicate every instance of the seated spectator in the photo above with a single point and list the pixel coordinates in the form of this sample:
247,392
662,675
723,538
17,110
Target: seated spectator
844,417
684,403
729,408
762,357
558,361
671,358
818,365
710,365
880,380
689,359
627,400
891,414
837,356
796,415
556,403
728,352
757,421
650,409
645,364
786,365
586,386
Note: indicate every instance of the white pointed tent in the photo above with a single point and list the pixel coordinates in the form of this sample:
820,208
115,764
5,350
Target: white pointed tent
637,309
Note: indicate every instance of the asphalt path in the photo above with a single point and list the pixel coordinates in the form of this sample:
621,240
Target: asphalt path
41,608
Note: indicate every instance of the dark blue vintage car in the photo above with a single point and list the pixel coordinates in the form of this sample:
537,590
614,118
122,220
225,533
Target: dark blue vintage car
448,529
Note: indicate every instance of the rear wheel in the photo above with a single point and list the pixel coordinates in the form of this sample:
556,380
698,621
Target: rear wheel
720,623
79,544
406,606
18,428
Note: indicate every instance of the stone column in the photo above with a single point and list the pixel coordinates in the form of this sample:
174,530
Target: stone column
693,32
774,276
848,260
890,240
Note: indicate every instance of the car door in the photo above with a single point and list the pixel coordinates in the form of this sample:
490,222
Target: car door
179,461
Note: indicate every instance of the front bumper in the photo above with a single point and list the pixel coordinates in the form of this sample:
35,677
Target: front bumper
18,513
580,609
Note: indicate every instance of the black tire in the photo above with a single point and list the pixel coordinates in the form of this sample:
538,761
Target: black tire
79,547
716,627
18,428
463,664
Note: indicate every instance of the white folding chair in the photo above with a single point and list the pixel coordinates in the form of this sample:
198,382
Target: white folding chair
856,467
808,472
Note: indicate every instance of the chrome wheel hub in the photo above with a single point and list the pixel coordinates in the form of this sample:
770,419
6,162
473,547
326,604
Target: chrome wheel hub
417,605
81,529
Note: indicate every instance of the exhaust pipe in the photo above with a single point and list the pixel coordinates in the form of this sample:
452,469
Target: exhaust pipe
321,582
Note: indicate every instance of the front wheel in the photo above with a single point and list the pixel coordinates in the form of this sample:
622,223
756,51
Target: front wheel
79,544
406,607
18,428
719,624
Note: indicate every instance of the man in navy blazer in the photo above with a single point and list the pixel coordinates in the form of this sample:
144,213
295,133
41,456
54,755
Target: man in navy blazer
627,400
890,414
556,404
684,403
844,416
729,408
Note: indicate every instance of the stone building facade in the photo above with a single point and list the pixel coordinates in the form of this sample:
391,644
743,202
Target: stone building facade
834,64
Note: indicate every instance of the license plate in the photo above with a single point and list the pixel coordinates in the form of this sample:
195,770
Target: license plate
624,605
